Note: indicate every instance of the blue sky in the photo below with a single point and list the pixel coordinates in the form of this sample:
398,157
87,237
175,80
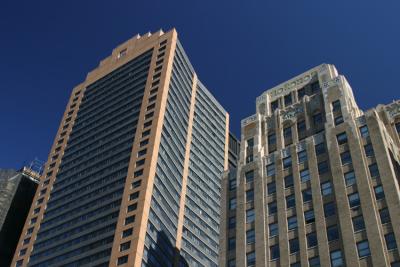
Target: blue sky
238,48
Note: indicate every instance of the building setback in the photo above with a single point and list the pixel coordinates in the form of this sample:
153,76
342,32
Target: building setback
17,189
317,182
133,177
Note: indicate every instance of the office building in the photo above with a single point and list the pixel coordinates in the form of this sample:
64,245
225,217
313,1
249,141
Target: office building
133,176
317,180
17,189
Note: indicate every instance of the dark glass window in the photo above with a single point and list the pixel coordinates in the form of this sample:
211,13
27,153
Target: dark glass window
125,246
272,208
290,201
354,200
326,188
250,142
350,178
288,99
274,252
250,236
364,131
309,216
337,259
249,176
287,162
122,260
369,150
301,126
384,215
129,219
314,262
317,119
358,223
287,133
336,105
127,232
231,243
379,193
341,138
307,195
332,233
302,156
320,149
363,249
315,87
312,240
390,241
373,170
232,183
250,216
338,120
274,105
304,175
270,169
271,139
345,157
273,229
292,222
232,222
294,245
271,187
397,127
288,181
250,195
301,92
232,203
395,263
329,209
323,167
251,259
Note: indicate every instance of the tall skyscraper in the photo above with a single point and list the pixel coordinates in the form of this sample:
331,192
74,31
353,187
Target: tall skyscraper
17,189
317,181
133,177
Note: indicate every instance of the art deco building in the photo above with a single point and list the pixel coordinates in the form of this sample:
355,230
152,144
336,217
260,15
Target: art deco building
317,181
133,177
17,189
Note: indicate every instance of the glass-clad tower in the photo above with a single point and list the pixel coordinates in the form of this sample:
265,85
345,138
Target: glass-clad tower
133,177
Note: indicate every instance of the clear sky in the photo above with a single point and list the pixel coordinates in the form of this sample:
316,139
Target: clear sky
238,48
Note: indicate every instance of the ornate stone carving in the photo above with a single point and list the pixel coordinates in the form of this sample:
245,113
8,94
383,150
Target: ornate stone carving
393,109
292,112
335,81
249,120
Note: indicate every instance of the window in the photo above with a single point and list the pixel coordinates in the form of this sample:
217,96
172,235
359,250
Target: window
338,120
288,181
272,208
320,149
358,223
250,237
129,219
250,142
122,260
22,252
369,150
271,139
250,216
122,53
274,252
302,156
397,126
332,233
345,157
231,243
337,258
249,158
379,193
19,263
305,175
364,131
125,246
251,259
301,126
274,105
288,100
384,215
336,105
295,264
341,138
329,209
232,203
144,142
232,222
315,87
142,152
138,173
294,245
350,178
326,188
323,167
270,169
307,195
317,119
33,220
29,231
301,92
354,200
390,241
273,229
309,216
26,241
232,183
312,240
363,249
249,176
232,263
134,196
314,262
290,201
373,170
132,207
395,263
287,133
127,232
287,162
292,222
271,187
250,195
36,211
39,201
